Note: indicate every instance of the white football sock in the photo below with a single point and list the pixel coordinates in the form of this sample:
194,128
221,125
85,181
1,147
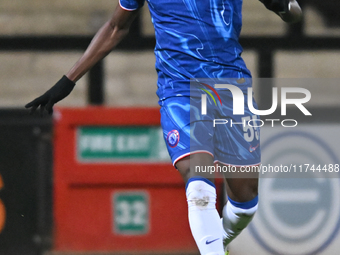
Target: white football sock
204,219
236,216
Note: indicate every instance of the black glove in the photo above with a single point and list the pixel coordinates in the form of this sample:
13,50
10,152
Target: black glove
288,10
59,91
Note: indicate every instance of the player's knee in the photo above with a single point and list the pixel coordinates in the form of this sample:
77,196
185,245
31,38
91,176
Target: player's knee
185,173
253,191
247,192
250,189
201,193
187,166
183,167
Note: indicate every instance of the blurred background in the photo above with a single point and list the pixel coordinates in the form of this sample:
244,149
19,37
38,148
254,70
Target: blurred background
41,40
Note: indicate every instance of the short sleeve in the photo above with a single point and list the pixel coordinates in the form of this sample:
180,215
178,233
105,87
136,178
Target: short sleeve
131,5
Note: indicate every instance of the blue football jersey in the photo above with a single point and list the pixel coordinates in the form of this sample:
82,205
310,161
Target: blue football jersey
194,39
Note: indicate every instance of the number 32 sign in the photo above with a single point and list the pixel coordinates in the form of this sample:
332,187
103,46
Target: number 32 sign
130,212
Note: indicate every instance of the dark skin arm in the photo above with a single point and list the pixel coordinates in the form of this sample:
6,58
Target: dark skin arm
108,36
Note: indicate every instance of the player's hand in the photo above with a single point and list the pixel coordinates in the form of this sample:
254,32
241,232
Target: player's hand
59,91
288,10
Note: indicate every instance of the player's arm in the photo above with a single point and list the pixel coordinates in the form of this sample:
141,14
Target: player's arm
108,36
288,10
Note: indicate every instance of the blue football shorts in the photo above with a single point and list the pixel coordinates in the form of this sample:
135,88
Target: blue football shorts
230,139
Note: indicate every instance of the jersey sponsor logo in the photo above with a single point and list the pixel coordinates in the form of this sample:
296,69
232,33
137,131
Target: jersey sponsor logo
173,138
